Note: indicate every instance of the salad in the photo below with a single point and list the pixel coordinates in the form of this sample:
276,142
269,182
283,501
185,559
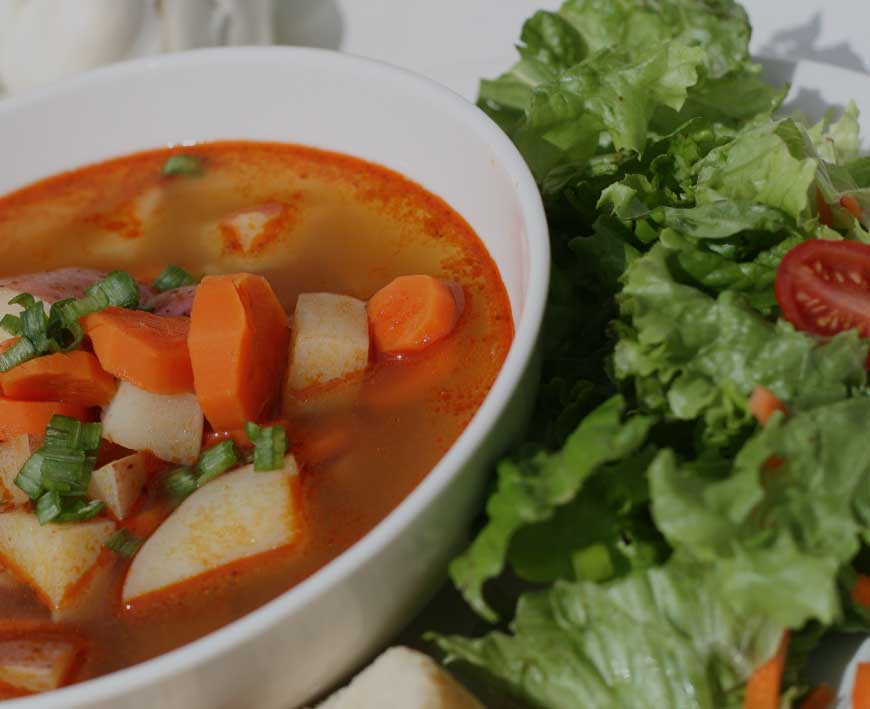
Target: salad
689,516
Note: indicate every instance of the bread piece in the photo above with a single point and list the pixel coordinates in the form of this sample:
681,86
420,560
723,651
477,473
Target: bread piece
402,679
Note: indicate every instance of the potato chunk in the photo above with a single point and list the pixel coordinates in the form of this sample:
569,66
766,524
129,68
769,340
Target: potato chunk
330,339
238,515
120,483
13,454
51,558
38,664
249,231
402,679
168,425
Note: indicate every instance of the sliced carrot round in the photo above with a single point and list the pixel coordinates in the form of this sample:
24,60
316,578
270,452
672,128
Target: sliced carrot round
145,350
763,687
763,404
861,688
239,338
74,377
410,313
17,417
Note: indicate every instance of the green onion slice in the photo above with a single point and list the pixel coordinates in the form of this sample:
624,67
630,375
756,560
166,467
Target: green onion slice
216,461
180,164
124,543
12,324
29,478
180,483
54,507
21,351
270,444
171,277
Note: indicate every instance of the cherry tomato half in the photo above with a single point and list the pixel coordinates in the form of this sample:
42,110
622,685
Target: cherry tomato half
823,287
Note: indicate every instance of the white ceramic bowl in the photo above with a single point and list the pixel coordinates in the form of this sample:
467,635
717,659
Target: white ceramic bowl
304,641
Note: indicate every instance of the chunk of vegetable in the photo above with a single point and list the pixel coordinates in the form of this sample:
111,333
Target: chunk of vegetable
410,313
762,689
14,454
146,350
17,417
763,404
167,425
74,377
238,515
38,664
239,336
51,558
861,688
822,697
330,339
119,483
250,230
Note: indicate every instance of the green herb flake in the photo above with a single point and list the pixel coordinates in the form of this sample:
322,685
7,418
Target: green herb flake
181,164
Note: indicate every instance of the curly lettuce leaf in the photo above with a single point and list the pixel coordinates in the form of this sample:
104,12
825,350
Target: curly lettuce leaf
662,637
693,356
529,491
776,534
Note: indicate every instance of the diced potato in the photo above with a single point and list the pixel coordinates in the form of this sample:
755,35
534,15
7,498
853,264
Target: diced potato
168,425
402,679
119,483
13,454
330,339
51,558
37,665
238,515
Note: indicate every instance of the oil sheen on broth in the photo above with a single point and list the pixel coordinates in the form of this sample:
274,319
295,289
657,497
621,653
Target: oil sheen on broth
335,224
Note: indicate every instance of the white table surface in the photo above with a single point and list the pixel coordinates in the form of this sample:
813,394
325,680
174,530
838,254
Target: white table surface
442,38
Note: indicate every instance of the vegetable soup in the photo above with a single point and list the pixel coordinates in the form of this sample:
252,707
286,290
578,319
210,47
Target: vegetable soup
224,365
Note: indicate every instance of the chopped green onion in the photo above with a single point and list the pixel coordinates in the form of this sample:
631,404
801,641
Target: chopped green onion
25,300
124,543
21,351
180,483
54,507
270,443
12,324
172,277
29,478
78,509
182,165
121,289
66,432
48,507
216,461
66,471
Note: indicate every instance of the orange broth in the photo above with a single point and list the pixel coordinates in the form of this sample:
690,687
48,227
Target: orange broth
340,225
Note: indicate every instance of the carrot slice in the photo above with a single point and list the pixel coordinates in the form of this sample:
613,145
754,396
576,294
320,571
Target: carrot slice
75,377
239,338
851,205
763,404
822,697
861,688
861,590
762,689
17,417
146,350
410,313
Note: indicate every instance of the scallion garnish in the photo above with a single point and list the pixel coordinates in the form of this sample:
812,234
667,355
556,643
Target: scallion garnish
180,164
171,277
270,444
56,477
60,331
11,323
124,543
216,461
180,483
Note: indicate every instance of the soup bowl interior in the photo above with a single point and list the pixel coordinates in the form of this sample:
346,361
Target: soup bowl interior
301,643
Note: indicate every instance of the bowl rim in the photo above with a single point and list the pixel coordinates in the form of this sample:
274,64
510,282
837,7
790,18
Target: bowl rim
526,333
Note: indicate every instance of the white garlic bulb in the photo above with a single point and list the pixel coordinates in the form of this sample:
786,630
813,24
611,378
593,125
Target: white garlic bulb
45,40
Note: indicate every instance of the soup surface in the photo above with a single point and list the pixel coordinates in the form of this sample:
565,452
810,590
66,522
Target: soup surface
309,221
